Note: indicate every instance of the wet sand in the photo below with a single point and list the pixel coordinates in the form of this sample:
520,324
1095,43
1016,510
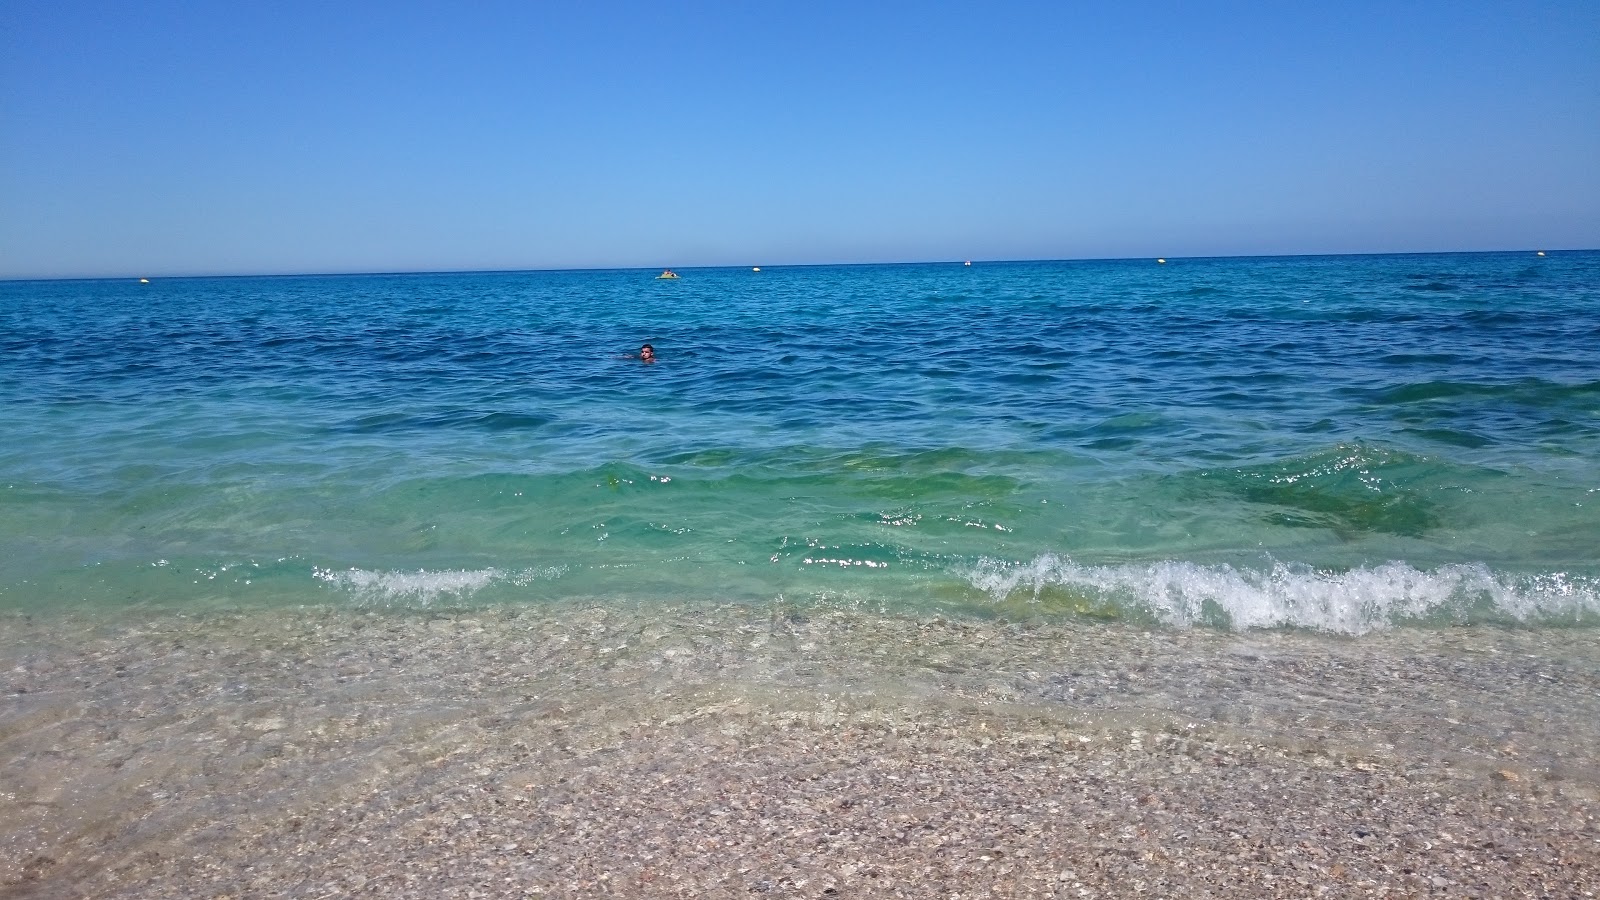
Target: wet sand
595,750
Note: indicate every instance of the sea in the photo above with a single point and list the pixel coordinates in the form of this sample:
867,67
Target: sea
337,565
1339,444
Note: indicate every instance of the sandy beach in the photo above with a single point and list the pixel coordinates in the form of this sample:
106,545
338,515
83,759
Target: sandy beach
729,751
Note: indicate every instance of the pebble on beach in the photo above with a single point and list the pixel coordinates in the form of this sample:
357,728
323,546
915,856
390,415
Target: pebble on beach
735,752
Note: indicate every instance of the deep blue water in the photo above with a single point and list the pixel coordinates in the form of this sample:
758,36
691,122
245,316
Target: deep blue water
1329,442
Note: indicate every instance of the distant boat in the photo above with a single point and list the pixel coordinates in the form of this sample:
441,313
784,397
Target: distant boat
667,273
967,263
755,268
1541,252
147,281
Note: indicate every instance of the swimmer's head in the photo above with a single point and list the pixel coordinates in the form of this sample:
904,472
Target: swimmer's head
647,353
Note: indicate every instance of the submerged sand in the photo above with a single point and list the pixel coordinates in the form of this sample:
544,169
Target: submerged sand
727,751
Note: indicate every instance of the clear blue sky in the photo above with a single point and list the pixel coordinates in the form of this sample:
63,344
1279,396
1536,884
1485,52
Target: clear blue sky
156,138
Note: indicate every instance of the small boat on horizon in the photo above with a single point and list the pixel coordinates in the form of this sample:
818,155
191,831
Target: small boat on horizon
666,273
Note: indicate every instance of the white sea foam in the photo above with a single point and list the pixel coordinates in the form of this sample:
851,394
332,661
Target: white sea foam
422,587
1352,601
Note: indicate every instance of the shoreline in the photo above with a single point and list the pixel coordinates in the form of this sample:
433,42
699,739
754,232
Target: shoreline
707,751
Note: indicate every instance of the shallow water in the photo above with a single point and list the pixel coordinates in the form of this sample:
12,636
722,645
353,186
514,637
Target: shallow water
253,752
1334,443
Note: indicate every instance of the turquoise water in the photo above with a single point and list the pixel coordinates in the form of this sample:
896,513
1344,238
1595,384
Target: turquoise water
1337,443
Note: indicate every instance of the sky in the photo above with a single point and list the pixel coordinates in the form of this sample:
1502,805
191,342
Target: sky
177,138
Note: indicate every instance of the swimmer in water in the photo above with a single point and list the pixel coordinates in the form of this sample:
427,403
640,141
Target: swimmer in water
646,354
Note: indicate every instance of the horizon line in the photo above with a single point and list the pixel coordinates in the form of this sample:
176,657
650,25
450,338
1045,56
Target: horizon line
647,268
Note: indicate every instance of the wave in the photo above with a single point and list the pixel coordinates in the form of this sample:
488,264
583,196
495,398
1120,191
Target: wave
1356,601
1168,593
424,588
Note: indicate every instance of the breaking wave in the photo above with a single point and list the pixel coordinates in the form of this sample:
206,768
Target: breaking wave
1354,601
425,588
